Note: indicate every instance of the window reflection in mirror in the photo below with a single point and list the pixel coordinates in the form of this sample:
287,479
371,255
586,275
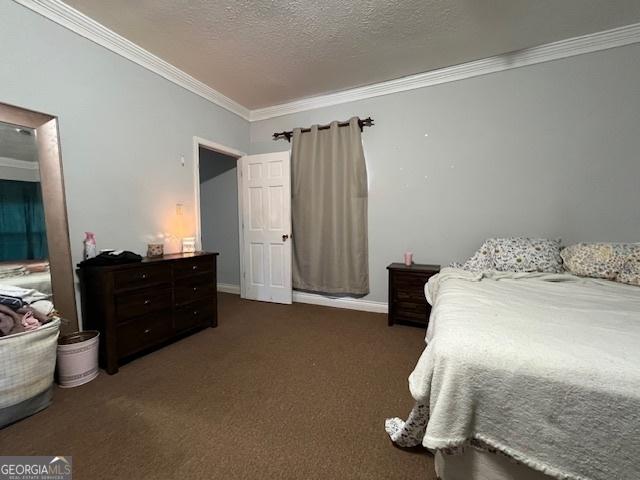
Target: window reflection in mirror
23,237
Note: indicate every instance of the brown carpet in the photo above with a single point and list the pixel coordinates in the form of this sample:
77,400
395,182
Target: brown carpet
275,392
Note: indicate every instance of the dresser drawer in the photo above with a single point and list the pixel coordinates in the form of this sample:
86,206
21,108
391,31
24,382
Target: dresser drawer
185,268
195,315
142,276
142,302
191,289
143,332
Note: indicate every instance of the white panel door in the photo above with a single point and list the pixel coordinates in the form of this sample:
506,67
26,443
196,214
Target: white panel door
266,223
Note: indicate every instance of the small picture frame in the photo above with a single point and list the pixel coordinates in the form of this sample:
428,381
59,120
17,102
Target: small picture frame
189,245
155,250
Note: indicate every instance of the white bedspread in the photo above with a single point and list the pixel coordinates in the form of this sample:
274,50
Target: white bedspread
544,367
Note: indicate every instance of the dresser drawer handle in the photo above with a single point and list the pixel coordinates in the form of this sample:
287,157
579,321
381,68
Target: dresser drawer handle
143,276
195,267
195,312
147,301
146,330
195,289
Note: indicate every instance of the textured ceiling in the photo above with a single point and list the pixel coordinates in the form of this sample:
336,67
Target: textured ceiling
261,53
18,143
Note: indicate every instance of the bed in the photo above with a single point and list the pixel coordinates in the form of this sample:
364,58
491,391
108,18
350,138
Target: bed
528,376
40,281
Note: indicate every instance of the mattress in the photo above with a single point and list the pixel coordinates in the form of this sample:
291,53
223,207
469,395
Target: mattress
542,368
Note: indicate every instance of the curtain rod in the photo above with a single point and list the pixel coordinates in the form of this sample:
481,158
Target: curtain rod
367,122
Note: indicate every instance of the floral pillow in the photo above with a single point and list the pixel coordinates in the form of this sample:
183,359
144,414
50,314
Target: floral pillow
482,260
518,254
630,271
597,260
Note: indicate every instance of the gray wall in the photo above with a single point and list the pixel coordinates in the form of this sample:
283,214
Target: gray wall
219,212
548,150
123,131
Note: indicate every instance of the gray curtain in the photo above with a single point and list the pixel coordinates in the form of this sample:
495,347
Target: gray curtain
329,211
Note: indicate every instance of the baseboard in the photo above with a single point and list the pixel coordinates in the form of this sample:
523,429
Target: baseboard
228,288
314,299
349,303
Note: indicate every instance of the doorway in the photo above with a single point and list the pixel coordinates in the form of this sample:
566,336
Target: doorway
217,224
247,221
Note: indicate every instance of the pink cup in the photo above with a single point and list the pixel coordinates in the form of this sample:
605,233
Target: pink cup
408,258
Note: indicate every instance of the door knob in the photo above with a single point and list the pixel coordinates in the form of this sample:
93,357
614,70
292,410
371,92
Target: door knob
284,238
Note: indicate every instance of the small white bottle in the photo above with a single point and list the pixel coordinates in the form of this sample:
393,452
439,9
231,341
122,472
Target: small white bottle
89,245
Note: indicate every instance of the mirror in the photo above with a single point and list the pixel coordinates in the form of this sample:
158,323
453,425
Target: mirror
35,254
24,254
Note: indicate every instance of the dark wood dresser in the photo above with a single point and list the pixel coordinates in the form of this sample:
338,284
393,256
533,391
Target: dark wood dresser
138,306
407,303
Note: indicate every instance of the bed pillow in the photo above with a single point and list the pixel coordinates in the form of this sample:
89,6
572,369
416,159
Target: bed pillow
519,254
596,260
630,271
482,260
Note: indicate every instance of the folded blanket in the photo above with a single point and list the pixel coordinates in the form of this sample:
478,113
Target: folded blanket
10,321
22,320
7,322
27,295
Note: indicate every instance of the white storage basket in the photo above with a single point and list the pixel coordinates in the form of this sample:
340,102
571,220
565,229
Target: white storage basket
27,363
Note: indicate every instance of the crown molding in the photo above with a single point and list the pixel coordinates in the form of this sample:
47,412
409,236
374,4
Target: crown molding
79,23
593,42
86,27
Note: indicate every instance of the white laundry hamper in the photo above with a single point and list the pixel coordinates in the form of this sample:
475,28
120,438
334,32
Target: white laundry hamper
78,358
27,363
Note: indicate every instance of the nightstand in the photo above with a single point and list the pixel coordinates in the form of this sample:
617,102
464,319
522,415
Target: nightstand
407,303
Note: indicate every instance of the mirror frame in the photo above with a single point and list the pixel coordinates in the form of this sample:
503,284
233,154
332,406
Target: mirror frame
55,207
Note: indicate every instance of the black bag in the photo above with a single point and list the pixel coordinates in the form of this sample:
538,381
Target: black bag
112,258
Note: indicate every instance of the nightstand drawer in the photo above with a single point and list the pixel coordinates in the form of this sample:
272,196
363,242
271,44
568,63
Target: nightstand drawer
407,300
412,310
410,290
